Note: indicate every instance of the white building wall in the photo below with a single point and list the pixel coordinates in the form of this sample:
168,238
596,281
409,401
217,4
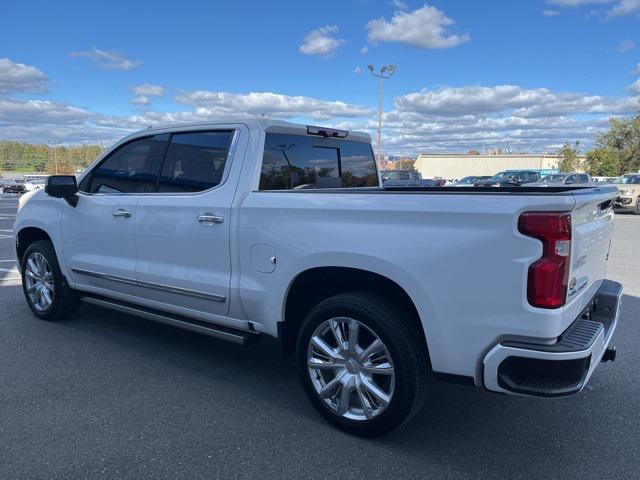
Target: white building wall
461,165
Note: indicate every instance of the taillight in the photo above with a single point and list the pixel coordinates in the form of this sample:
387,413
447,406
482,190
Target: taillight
549,276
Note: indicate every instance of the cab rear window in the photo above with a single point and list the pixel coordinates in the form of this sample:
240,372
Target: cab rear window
292,162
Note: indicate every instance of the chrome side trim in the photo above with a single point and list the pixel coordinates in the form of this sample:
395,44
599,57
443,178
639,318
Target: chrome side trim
155,286
104,276
239,337
183,291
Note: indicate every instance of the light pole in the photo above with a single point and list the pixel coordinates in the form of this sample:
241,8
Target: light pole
386,72
55,157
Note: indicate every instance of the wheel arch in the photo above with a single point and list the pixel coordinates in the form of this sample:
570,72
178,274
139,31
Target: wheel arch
311,286
26,236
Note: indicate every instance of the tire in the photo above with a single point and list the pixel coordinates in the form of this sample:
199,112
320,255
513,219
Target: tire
636,210
357,398
64,302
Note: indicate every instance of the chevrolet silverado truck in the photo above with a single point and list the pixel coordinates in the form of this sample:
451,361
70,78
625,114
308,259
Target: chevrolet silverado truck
257,228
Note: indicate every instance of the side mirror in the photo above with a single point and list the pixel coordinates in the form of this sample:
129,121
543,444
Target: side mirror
568,182
63,186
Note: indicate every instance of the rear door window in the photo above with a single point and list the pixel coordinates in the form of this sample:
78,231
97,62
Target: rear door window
306,162
195,161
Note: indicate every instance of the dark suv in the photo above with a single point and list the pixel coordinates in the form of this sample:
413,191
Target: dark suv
13,186
509,178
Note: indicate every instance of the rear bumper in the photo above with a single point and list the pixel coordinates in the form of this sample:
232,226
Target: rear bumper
564,367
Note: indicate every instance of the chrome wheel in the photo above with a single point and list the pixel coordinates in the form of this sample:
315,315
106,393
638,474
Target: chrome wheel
350,369
39,281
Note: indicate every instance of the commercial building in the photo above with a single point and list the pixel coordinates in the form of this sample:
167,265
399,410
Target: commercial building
458,165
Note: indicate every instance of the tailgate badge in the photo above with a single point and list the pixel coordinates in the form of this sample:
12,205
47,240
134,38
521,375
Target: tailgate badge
572,283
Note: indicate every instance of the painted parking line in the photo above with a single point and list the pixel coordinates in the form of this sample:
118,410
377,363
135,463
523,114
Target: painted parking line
10,260
9,270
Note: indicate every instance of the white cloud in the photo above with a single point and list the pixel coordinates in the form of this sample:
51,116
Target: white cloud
144,93
357,71
39,121
624,7
539,102
149,90
279,105
550,13
626,45
577,3
443,119
616,8
400,5
108,60
321,42
18,77
425,28
364,50
635,87
39,111
140,100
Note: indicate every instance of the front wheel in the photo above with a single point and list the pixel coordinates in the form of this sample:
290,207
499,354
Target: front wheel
44,286
364,363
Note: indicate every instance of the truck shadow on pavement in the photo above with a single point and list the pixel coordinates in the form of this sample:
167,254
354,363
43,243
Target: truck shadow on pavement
132,368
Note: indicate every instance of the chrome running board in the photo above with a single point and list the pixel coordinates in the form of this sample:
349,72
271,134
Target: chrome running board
239,337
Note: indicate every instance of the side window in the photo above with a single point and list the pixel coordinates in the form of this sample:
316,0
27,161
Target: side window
293,162
583,178
570,179
132,168
301,162
358,165
195,161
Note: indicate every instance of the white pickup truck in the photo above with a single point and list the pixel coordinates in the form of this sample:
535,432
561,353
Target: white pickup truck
250,228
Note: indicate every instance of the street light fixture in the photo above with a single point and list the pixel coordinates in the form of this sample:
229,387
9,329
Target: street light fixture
386,72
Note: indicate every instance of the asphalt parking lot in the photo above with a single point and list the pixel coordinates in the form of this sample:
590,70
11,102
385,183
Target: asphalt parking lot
105,395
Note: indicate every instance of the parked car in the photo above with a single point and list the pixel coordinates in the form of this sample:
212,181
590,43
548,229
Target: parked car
629,188
470,181
407,178
603,179
16,185
212,235
509,178
574,178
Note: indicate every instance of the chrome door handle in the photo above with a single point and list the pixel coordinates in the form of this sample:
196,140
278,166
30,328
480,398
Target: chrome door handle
122,213
210,218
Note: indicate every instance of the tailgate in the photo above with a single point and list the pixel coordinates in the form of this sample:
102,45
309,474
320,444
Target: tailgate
592,228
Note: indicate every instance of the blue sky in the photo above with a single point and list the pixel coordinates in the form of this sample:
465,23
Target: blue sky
529,75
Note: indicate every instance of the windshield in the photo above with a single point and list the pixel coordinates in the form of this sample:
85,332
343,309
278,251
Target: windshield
467,180
552,179
501,175
628,179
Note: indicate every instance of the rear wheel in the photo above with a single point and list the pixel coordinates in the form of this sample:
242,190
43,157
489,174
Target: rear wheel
45,289
364,363
637,209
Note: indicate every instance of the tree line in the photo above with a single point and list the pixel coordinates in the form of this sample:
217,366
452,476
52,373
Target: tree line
617,151
28,157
